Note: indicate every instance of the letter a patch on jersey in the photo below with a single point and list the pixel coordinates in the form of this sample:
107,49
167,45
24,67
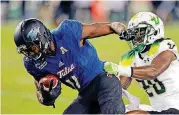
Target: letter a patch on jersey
63,50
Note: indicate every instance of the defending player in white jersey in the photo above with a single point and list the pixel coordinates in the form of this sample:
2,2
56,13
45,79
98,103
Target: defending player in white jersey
153,62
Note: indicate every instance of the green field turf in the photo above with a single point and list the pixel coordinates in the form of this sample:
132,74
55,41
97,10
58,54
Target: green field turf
18,90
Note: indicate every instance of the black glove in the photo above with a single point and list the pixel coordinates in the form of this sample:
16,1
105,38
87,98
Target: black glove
127,35
51,95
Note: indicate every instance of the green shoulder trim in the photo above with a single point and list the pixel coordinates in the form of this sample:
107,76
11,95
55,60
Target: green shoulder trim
128,58
154,48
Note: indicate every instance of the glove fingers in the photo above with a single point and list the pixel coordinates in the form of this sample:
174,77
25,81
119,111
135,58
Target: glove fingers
46,95
43,91
50,85
41,87
127,35
54,105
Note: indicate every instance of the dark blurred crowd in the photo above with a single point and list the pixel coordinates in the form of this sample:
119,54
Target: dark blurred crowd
86,11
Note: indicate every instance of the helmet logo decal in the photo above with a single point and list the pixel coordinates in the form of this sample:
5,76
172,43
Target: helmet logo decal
155,20
32,35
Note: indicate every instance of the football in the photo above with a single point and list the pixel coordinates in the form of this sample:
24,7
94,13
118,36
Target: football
46,81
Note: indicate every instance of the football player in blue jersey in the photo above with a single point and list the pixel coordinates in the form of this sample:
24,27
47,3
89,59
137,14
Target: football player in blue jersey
65,52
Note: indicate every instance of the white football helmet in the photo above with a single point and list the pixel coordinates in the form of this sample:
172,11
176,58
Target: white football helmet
147,28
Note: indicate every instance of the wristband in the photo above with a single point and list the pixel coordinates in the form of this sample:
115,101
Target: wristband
125,71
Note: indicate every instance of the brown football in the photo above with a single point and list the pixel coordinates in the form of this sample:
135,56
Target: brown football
46,81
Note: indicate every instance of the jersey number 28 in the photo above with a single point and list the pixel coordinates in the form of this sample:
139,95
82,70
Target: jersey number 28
152,87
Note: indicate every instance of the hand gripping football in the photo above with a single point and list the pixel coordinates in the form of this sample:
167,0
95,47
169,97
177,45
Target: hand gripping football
46,81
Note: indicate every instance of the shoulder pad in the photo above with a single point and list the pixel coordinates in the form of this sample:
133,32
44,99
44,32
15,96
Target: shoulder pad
154,47
164,45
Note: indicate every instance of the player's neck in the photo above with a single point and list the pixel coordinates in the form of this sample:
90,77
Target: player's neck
52,48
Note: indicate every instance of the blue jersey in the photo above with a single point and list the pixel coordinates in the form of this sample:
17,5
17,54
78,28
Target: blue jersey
75,65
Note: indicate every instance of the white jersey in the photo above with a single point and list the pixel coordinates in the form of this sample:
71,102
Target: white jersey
163,91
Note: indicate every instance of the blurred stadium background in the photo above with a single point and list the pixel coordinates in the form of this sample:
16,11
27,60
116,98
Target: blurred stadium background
17,88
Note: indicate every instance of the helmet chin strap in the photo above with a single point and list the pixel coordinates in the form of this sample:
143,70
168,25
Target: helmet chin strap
39,56
147,47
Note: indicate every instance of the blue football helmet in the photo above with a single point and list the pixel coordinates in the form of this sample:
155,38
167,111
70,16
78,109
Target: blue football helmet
30,34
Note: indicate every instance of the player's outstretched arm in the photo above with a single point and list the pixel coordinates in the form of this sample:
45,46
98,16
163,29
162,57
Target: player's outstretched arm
158,66
101,29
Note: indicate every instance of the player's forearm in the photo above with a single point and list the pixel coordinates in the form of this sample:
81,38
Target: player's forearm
39,97
36,85
96,30
38,94
102,29
158,66
143,72
125,82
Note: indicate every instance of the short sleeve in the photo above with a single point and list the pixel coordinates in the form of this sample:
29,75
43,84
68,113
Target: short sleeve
32,70
170,45
73,28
